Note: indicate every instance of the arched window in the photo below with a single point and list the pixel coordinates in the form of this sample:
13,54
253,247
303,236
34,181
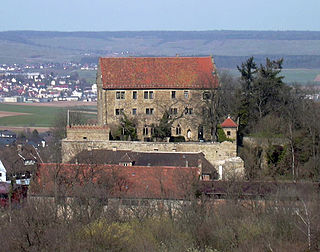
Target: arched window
145,130
189,134
178,130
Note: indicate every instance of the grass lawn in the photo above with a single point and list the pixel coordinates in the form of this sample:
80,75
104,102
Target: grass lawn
38,116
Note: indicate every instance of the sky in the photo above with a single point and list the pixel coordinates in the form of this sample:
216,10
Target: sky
138,15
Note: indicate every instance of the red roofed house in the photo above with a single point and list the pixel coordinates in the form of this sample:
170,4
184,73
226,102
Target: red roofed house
144,88
230,128
115,181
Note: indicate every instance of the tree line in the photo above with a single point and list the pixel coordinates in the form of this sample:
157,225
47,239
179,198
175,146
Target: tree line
269,109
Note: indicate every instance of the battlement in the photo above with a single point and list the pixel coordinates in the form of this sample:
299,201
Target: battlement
90,132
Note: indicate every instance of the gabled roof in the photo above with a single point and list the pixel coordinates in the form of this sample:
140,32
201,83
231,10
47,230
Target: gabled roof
14,157
158,73
115,180
169,159
229,123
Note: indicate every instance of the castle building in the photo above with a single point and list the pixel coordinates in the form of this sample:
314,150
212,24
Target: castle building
144,89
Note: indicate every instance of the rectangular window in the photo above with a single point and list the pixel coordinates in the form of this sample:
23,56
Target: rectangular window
134,95
173,111
186,94
148,94
120,95
134,111
188,111
149,111
145,131
173,94
119,111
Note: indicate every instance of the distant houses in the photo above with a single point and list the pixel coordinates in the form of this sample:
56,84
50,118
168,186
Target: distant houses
18,163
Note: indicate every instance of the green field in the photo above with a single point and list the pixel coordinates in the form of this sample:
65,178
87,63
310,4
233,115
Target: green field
303,76
88,75
38,116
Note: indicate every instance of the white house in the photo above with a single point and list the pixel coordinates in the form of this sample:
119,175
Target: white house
3,173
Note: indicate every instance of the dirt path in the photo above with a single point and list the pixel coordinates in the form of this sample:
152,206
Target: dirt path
6,113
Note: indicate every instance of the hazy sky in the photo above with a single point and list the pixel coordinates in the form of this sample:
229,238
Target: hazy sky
113,15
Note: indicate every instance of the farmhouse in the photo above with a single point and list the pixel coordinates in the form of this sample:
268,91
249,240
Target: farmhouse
148,89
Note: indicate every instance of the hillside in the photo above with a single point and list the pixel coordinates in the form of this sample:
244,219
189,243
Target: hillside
301,49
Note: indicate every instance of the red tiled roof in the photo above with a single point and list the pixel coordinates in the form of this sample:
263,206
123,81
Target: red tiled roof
126,181
229,123
155,73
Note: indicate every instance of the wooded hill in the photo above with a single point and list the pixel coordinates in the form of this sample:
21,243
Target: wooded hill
300,49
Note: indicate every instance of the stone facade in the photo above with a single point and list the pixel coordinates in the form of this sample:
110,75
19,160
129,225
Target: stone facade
88,132
185,110
184,102
230,133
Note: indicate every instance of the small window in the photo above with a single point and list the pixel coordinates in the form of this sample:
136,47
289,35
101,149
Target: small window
120,95
206,95
134,95
173,111
178,130
145,131
188,111
149,111
148,94
134,111
173,94
119,111
228,133
84,138
186,94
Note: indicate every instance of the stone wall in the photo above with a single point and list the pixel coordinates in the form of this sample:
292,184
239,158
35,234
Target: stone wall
224,153
88,132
